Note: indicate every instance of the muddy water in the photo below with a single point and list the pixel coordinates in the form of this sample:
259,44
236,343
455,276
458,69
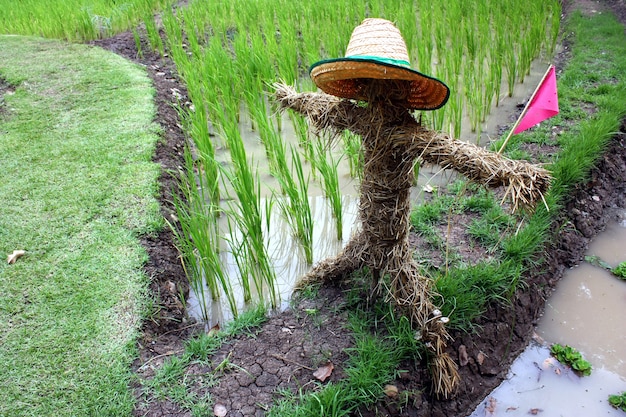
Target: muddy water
587,312
286,255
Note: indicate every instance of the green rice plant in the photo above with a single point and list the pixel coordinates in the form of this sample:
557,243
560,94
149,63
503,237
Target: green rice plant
555,25
74,20
137,43
474,93
510,66
495,69
326,165
301,128
466,291
268,132
198,239
152,32
295,204
353,152
455,110
245,215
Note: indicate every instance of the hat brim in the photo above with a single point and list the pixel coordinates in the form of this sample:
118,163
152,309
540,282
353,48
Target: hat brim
338,78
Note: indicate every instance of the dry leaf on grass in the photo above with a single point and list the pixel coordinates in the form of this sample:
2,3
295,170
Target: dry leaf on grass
391,391
323,372
214,330
15,256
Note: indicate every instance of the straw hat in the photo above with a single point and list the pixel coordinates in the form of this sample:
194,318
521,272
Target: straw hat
377,50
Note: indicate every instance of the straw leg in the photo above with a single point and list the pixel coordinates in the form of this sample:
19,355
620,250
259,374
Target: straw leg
338,267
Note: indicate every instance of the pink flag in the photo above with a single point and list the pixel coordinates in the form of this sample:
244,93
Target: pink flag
544,104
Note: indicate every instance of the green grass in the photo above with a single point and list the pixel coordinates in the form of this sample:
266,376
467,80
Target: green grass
381,341
78,188
74,19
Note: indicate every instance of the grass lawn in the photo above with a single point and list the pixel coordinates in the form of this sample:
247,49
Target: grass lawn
78,187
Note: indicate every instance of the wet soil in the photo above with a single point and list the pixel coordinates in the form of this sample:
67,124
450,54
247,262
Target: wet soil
290,346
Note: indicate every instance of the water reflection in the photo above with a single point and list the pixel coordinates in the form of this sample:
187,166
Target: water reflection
537,385
286,255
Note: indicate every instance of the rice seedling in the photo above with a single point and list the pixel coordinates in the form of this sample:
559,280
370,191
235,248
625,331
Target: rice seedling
137,43
245,215
301,128
152,32
75,20
295,204
326,165
353,153
198,239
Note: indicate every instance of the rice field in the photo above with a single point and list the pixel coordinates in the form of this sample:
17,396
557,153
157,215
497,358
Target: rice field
230,53
75,20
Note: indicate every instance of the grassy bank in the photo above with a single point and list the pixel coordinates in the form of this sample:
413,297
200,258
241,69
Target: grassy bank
78,187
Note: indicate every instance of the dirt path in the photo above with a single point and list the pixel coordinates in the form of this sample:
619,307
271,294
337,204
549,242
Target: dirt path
292,344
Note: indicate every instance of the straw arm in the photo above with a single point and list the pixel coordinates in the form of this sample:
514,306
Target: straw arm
525,183
325,112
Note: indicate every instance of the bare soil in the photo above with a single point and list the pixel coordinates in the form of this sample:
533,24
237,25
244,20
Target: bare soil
291,345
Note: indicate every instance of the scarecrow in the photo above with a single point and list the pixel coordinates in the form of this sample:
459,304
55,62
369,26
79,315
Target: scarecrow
372,92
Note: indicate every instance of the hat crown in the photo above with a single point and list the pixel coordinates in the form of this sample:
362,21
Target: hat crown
378,38
377,51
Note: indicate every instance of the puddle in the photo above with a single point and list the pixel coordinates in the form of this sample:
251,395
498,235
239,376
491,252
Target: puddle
587,312
537,385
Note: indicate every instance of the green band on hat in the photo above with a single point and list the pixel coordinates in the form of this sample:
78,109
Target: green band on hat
399,62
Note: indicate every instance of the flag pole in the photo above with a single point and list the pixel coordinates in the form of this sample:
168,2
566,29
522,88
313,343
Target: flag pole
521,116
